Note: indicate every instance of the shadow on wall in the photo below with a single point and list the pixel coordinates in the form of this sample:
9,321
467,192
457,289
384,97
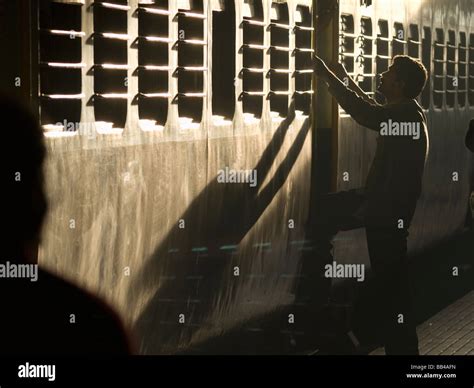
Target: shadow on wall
187,271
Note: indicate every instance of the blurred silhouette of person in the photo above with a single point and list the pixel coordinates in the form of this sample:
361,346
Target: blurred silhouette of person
470,136
41,313
385,206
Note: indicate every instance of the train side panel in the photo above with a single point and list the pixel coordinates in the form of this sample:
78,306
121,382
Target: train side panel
155,223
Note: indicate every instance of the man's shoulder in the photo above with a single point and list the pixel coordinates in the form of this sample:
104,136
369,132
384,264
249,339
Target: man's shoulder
63,293
60,288
410,106
408,112
67,319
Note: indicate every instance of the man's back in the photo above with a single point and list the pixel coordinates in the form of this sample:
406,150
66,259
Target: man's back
395,179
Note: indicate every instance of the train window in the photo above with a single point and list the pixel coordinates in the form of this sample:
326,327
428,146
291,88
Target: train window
382,58
279,60
347,43
383,55
303,62
60,58
366,81
426,59
451,80
110,64
414,42
439,61
462,69
366,28
191,66
399,39
252,51
471,70
223,62
153,41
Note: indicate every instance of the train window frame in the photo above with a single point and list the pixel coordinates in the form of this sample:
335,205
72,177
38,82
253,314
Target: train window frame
153,65
439,71
303,61
191,70
399,41
60,102
279,51
111,92
451,61
414,42
382,55
347,45
366,57
471,71
223,62
462,70
252,51
426,57
347,38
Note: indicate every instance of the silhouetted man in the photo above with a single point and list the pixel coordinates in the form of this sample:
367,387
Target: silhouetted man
470,136
387,203
41,314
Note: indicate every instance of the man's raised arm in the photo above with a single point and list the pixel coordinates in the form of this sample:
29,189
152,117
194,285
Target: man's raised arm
340,71
363,109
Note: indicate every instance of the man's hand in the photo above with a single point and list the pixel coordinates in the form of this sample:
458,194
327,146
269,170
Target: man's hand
320,68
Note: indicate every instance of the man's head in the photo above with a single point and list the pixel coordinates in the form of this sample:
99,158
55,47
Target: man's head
405,78
23,204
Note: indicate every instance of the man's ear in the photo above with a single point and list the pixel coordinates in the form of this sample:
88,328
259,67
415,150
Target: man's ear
402,85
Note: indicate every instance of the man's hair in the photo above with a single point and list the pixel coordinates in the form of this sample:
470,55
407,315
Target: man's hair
412,72
23,205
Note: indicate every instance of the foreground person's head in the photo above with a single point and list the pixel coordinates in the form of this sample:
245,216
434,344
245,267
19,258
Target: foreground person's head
23,204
